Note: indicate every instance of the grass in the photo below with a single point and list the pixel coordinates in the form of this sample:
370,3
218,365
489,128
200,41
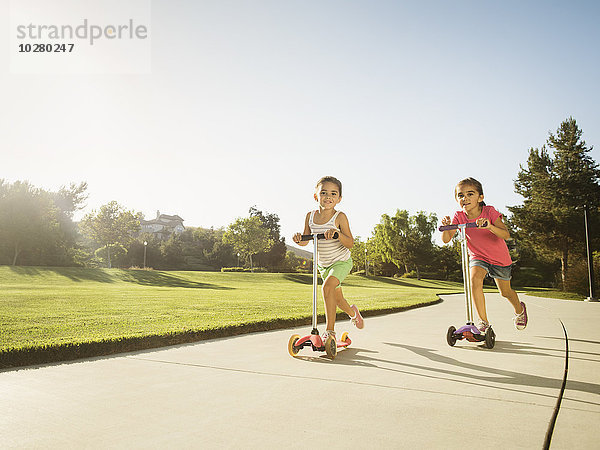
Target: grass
552,293
53,314
64,313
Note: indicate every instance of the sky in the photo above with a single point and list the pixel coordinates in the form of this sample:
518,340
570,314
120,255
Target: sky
248,103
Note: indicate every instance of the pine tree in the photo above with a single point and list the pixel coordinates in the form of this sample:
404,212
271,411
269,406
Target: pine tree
555,186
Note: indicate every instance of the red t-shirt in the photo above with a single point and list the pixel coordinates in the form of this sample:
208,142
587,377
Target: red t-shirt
483,244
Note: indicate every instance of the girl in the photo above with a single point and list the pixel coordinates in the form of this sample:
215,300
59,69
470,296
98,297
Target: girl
487,250
335,261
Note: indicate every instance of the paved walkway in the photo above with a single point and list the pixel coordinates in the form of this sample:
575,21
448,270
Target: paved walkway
399,385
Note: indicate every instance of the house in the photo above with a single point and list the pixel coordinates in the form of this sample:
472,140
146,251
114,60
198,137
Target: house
163,226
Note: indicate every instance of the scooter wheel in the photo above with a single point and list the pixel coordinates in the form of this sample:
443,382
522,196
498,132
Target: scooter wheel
292,349
450,337
490,338
345,337
331,347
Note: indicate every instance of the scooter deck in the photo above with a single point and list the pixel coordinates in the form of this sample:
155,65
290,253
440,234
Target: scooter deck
472,334
316,342
341,344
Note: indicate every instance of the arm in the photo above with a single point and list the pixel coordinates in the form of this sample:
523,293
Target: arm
296,237
345,235
448,234
498,228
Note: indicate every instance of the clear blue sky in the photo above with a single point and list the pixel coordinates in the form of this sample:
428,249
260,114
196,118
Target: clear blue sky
250,102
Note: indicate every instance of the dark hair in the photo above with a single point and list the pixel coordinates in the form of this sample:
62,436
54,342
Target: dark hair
329,179
471,182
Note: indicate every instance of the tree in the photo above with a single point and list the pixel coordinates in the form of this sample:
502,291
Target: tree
172,253
554,187
248,236
447,261
36,226
276,255
358,254
69,200
111,252
405,240
136,251
111,226
28,220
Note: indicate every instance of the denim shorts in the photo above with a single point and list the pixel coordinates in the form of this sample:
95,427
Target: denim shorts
500,272
339,269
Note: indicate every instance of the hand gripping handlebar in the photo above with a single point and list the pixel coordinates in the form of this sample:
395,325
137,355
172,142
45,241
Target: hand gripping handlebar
456,226
309,237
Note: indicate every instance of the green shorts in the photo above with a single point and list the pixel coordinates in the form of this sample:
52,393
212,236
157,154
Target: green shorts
339,269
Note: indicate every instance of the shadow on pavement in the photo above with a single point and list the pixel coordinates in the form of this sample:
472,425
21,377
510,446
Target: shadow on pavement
499,375
489,377
570,339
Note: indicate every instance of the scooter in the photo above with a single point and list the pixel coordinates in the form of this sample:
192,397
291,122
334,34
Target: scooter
469,331
314,340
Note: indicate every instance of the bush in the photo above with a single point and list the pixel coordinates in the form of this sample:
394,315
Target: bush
411,274
577,276
528,276
243,269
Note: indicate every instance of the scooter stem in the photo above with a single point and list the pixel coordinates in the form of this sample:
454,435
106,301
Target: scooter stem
466,271
315,280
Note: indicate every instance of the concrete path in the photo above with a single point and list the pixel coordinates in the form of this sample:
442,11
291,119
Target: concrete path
398,386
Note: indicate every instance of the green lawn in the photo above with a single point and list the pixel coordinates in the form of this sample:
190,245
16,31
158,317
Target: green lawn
49,310
49,306
552,293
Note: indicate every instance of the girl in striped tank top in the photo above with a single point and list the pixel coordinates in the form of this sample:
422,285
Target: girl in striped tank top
335,261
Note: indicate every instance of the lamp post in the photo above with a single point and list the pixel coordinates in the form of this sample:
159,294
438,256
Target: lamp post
590,258
145,245
366,261
238,260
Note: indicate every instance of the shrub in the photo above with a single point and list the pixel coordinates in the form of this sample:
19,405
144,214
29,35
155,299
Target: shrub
411,274
528,276
140,268
244,269
577,276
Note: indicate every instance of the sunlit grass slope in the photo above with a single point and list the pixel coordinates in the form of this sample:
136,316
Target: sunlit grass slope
42,307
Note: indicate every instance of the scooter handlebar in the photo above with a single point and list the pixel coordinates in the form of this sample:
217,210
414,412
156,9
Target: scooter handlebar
456,226
309,237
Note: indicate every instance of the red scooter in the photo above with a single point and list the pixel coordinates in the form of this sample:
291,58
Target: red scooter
330,346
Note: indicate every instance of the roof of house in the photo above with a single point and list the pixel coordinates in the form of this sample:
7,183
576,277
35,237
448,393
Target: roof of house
167,217
164,219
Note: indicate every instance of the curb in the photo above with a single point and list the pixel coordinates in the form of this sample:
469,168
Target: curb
11,359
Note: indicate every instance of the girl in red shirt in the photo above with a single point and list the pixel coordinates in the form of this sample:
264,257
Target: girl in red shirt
488,252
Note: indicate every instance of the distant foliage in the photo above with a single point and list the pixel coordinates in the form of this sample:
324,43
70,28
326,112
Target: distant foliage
112,225
578,280
274,257
248,236
36,226
406,241
244,269
555,185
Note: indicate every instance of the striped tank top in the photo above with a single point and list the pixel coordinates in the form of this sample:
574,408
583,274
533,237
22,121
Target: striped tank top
330,250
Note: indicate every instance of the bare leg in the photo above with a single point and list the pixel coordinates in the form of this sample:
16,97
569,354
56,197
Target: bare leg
508,292
342,303
477,276
329,297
